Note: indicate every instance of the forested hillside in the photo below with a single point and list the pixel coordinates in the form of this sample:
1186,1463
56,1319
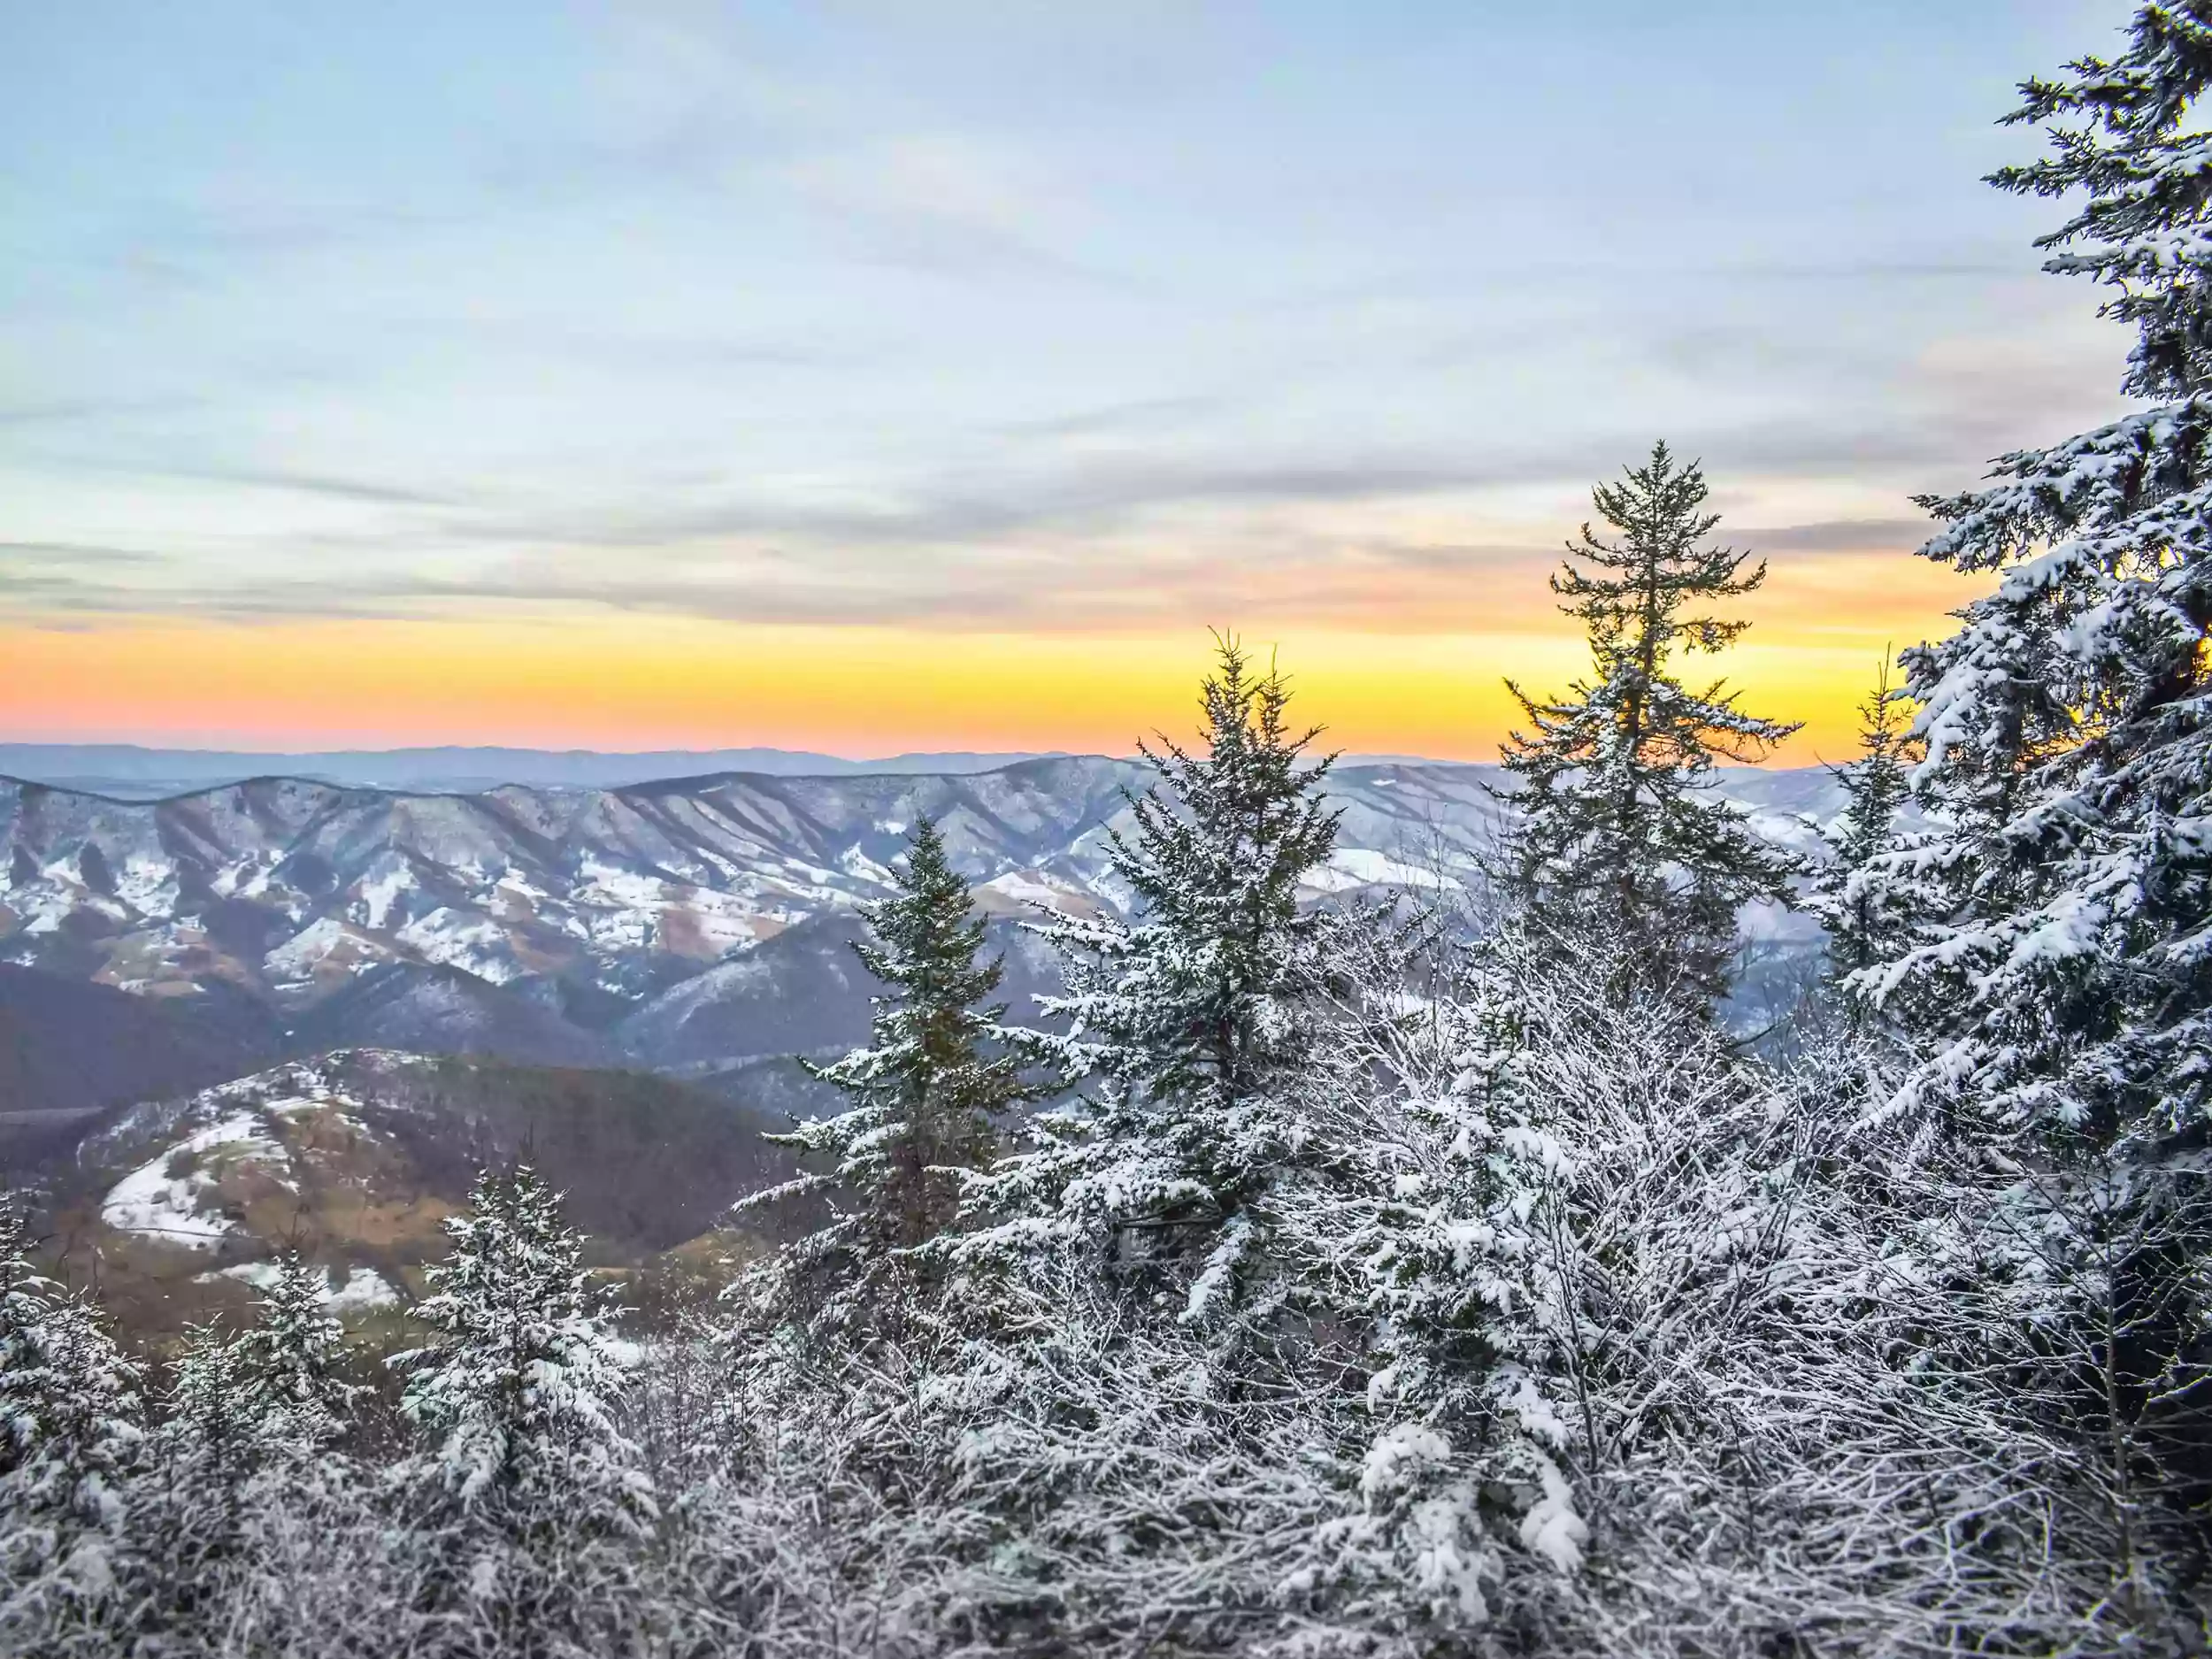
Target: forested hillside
1323,1265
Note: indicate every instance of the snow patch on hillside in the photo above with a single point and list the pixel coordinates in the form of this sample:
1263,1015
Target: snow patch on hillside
365,1289
1026,889
379,890
299,956
152,1202
464,939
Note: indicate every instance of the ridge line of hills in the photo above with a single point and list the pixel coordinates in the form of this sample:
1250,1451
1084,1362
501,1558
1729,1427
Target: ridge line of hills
673,782
126,770
131,772
625,968
696,927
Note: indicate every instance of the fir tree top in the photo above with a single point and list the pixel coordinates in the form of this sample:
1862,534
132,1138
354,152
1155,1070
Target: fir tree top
2148,180
1215,857
939,1068
1862,921
924,950
291,1357
1612,814
1877,783
1203,1013
521,1380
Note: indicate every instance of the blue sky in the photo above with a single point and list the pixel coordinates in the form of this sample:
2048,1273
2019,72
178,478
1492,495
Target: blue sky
959,314
705,373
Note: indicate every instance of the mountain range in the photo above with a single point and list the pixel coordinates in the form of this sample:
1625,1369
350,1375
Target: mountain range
284,1008
131,772
686,925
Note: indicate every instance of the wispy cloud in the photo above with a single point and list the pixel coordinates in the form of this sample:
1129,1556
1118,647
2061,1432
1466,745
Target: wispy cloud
73,410
72,553
1042,322
1838,535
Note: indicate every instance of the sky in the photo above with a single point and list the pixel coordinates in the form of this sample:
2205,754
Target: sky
874,377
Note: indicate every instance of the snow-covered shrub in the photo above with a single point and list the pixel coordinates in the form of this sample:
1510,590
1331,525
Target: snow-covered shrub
70,1442
1787,1381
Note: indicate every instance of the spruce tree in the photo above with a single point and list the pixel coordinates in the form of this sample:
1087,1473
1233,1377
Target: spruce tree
940,1067
212,1438
2059,970
1200,1015
1616,824
2066,887
1876,787
187,1513
292,1360
518,1389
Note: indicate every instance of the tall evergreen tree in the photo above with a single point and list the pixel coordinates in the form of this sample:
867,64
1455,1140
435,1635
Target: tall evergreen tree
292,1361
1198,1014
1616,823
940,1067
249,1420
212,1435
2066,954
1860,916
518,1389
188,1511
2059,973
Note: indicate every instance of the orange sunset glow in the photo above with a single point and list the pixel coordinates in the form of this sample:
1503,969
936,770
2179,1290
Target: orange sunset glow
631,682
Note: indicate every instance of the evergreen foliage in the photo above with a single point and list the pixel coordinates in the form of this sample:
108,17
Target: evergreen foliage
938,1072
1615,824
291,1360
2058,974
519,1390
186,1514
1876,787
70,1438
1460,1291
1196,1015
212,1438
2066,885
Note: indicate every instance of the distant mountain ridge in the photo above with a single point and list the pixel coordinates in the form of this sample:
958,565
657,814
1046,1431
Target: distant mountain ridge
697,925
133,772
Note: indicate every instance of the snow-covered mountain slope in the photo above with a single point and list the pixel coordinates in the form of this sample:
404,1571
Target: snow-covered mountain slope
356,1157
670,924
293,889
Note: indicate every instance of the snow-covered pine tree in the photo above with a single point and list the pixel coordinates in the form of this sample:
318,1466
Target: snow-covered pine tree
2068,754
2061,965
940,1067
1197,1014
1616,824
1876,787
292,1360
212,1436
187,1510
519,1391
250,1418
69,1435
